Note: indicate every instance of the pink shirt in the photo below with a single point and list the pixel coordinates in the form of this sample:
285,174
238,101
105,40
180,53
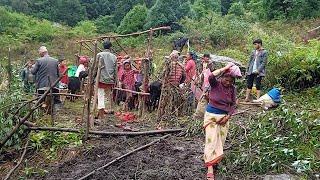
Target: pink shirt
190,70
206,73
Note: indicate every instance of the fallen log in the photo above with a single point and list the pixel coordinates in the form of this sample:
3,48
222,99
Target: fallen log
106,133
123,156
20,161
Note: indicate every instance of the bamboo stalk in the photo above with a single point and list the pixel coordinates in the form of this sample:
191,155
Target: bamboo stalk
123,156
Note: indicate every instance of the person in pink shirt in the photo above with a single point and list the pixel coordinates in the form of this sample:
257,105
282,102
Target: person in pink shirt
127,80
203,82
190,67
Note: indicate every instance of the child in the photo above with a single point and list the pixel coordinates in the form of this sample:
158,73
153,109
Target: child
127,80
63,71
28,78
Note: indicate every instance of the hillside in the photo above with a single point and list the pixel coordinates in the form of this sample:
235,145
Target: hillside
259,143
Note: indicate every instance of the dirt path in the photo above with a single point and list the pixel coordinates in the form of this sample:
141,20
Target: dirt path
173,158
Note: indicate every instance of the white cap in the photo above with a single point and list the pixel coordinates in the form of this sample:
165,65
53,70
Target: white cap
42,49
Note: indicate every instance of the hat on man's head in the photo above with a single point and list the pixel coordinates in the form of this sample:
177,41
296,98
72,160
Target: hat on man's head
42,49
259,41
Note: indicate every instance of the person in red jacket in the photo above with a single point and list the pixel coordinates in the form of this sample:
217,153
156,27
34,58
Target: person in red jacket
63,71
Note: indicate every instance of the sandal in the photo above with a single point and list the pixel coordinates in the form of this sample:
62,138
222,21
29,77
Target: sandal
210,176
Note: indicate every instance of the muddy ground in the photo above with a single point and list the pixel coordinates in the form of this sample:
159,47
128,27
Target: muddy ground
176,157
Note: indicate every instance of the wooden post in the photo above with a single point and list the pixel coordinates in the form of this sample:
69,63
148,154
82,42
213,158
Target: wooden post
95,96
90,89
9,69
146,70
51,104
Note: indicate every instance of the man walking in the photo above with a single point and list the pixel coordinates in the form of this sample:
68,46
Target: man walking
256,69
107,77
46,71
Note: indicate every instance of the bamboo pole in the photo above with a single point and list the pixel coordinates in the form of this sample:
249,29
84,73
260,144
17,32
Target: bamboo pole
89,93
125,35
106,133
25,118
123,156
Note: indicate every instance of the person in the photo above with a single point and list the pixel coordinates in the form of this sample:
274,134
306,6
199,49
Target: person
222,104
83,65
177,73
190,67
203,83
46,71
63,68
28,78
174,75
271,99
127,81
256,68
107,77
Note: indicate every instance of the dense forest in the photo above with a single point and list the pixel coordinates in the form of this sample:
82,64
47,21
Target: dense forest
109,14
260,142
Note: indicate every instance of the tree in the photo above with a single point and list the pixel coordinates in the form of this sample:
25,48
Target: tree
225,5
237,9
105,24
204,7
164,12
69,11
134,20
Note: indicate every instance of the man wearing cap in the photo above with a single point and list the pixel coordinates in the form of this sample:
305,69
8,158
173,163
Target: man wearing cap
46,70
107,77
256,69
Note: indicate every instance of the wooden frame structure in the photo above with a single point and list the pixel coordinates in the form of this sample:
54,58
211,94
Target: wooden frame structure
92,46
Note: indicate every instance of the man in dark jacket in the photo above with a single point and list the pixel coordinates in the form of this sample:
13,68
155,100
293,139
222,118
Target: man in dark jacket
46,71
256,69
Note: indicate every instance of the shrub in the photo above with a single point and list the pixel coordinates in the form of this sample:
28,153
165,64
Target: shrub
85,29
105,24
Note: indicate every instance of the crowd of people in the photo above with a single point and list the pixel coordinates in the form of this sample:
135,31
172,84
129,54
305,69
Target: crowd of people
213,88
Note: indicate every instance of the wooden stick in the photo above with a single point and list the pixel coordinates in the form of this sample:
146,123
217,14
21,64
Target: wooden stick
125,35
68,94
250,103
90,88
52,104
134,92
20,161
123,156
25,118
95,96
9,68
106,133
